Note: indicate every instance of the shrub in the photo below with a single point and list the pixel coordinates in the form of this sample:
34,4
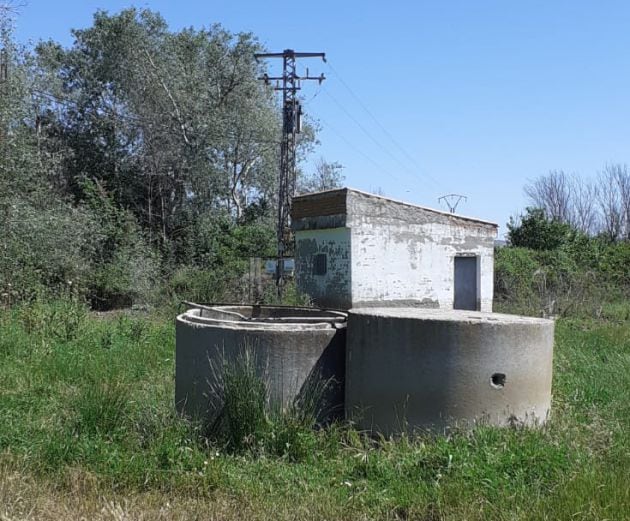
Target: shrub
124,266
579,278
205,286
537,232
291,296
45,249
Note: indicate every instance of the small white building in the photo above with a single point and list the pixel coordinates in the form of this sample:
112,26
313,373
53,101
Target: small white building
354,249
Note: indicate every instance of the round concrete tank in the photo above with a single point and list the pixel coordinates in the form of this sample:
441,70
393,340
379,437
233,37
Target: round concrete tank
294,350
412,369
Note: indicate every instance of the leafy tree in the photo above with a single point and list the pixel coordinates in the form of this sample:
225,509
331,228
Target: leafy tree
137,151
170,122
537,232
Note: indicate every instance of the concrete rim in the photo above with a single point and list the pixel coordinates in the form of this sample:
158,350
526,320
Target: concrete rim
444,315
228,318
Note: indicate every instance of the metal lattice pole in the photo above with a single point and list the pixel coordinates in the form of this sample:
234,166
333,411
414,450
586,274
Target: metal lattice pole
289,84
452,201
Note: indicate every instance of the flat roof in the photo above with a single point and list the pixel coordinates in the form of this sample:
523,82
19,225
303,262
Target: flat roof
340,191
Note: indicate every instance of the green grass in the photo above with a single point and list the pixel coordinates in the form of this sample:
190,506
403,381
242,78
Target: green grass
87,425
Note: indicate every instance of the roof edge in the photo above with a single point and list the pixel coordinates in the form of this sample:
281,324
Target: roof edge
398,201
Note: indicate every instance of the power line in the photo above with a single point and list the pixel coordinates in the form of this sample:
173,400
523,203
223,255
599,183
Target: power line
368,133
362,153
308,102
363,129
382,127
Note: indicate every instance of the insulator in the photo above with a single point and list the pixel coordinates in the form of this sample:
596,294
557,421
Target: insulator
299,118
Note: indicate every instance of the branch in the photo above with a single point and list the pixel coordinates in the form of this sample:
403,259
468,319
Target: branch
178,114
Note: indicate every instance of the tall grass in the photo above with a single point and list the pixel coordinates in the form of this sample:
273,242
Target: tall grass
241,398
249,421
87,429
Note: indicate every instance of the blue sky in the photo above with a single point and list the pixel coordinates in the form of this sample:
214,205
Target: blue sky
479,96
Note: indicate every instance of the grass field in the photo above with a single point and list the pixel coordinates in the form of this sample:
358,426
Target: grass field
87,431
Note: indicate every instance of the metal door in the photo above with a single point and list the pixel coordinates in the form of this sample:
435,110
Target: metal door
465,283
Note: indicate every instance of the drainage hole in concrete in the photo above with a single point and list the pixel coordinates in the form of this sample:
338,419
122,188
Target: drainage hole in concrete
497,380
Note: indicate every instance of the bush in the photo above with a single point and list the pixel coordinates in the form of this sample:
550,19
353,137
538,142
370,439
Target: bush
291,296
45,250
580,278
124,266
614,264
52,248
536,232
207,286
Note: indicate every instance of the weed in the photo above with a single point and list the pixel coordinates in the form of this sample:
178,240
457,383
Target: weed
240,396
86,430
100,408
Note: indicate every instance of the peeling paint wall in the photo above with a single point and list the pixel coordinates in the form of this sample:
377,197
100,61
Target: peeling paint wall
414,264
404,255
387,253
332,289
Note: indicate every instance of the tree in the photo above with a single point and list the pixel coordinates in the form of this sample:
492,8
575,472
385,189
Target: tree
327,176
552,193
173,124
594,207
613,198
584,214
149,140
45,242
536,231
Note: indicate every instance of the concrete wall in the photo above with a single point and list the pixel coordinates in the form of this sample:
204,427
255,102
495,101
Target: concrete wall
404,256
292,359
408,368
334,288
386,253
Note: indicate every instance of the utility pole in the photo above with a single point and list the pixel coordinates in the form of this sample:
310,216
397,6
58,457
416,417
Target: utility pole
289,84
452,201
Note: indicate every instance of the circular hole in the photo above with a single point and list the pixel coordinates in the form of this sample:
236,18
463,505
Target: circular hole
497,380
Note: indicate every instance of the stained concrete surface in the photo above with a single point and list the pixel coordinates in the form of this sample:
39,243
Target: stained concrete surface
383,252
293,350
410,368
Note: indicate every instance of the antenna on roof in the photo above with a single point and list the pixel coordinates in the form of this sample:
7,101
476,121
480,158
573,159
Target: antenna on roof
452,201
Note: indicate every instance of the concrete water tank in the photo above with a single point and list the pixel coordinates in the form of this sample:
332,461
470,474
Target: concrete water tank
415,368
295,350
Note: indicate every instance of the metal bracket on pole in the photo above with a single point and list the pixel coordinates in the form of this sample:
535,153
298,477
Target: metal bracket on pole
289,84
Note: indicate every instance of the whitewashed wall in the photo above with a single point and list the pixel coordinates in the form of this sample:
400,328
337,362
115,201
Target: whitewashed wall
414,264
387,253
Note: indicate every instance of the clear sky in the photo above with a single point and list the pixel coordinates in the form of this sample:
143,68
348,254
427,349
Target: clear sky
479,96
